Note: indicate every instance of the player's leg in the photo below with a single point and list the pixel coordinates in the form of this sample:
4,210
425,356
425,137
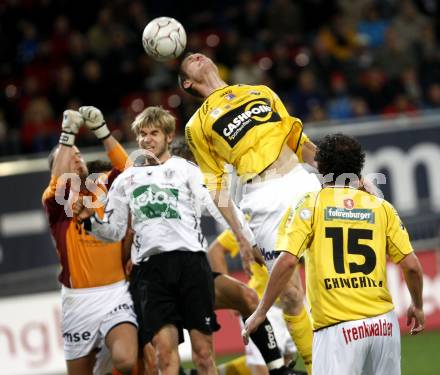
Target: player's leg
119,328
123,345
154,286
81,366
202,352
82,313
236,366
149,360
284,339
255,360
297,319
165,343
196,302
232,294
266,204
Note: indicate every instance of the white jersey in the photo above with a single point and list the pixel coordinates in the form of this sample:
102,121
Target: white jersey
165,203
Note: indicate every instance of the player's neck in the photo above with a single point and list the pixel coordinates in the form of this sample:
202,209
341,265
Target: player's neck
212,83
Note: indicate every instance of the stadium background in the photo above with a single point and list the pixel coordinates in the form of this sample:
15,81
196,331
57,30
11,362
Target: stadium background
368,68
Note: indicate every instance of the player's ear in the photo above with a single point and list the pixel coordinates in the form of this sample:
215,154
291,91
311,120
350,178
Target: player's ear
170,138
186,84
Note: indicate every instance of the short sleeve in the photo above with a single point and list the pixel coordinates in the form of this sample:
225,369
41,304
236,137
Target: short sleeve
295,229
398,243
209,162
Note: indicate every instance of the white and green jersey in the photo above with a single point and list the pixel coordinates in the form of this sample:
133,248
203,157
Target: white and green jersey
165,203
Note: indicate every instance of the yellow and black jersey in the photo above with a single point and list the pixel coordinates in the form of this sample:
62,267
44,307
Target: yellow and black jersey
245,126
348,235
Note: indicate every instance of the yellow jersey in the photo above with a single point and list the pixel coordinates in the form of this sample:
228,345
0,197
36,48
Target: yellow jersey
260,274
348,235
245,126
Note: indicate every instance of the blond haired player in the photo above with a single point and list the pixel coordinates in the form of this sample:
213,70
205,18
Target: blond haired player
97,310
161,196
249,128
224,244
346,236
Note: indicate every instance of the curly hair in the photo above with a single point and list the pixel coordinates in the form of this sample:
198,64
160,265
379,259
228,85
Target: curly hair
339,154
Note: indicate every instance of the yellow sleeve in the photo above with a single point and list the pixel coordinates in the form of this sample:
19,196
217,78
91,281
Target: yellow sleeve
228,241
210,163
278,105
295,229
118,157
297,145
398,243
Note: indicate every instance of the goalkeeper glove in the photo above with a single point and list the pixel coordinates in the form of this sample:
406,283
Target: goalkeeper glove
95,121
72,121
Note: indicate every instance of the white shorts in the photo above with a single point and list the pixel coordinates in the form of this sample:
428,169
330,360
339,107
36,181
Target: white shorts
266,203
282,335
366,346
90,313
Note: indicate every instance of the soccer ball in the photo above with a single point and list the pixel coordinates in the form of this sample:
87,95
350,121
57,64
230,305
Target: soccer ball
164,38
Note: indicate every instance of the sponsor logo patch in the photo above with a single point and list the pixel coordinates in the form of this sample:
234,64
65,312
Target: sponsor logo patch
305,214
152,201
348,204
359,214
216,113
234,125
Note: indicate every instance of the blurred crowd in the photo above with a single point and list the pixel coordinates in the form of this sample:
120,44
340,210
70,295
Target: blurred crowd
327,59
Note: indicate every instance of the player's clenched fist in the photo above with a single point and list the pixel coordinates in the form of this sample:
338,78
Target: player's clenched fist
72,121
94,120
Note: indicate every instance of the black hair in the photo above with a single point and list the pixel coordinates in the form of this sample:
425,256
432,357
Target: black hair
340,154
182,77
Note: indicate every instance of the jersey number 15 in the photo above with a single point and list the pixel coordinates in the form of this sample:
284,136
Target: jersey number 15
353,247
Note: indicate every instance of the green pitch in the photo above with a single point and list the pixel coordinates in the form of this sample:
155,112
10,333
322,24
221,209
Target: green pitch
420,355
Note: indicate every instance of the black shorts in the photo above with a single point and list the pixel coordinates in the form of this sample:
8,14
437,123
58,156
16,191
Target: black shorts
176,288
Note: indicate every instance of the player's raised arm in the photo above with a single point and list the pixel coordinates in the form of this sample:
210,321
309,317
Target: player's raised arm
94,120
72,121
65,159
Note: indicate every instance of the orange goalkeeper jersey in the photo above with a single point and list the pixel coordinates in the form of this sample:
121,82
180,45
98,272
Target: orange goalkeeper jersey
85,261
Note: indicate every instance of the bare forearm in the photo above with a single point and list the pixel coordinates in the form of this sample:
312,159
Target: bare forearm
225,206
61,163
413,273
414,282
110,143
279,277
